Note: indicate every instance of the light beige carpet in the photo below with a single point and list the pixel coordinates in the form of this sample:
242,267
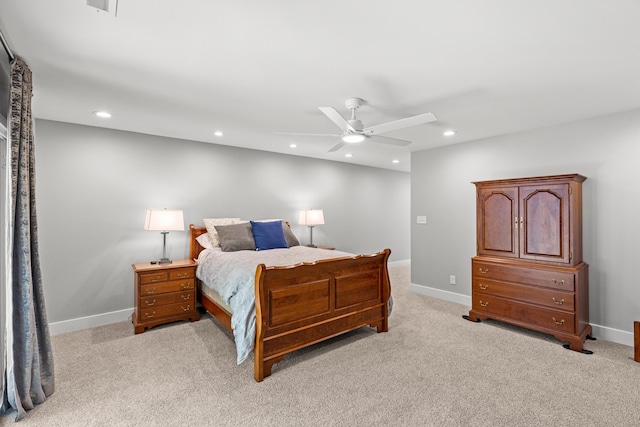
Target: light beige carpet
431,369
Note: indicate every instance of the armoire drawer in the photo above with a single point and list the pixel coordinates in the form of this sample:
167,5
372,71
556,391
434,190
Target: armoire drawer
547,277
540,317
548,297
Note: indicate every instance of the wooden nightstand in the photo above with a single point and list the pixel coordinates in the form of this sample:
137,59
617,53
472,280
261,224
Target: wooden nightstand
329,248
164,293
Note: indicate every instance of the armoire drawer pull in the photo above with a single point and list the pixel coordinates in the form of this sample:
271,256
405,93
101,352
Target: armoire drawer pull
484,304
186,286
483,287
185,297
155,279
483,271
150,291
558,302
560,322
150,315
189,308
150,303
558,282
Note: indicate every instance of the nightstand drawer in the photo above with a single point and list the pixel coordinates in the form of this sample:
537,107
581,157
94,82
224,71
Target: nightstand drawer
152,313
170,298
181,273
164,287
154,277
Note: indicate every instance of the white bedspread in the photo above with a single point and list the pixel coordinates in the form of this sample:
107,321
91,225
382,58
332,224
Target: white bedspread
232,276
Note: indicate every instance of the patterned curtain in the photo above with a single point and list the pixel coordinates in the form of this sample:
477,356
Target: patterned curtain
29,370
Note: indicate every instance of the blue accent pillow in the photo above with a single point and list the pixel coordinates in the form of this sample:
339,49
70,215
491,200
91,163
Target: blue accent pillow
268,235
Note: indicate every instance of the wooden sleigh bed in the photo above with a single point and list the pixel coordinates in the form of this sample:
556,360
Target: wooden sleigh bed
303,304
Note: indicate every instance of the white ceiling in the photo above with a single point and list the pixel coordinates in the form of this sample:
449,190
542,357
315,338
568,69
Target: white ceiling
251,68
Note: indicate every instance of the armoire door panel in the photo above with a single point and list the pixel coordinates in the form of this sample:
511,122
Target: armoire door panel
545,223
497,231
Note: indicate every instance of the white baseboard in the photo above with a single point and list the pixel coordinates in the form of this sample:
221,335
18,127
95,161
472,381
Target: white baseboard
80,323
400,263
614,335
440,294
600,332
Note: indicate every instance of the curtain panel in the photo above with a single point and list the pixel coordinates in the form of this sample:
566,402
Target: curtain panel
29,368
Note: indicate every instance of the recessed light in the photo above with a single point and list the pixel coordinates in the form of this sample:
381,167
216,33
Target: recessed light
395,161
449,132
348,155
293,145
102,114
218,133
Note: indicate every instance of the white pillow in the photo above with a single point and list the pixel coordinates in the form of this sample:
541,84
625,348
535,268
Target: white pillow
211,223
204,241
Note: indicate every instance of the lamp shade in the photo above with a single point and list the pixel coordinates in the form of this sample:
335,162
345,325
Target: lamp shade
311,217
164,220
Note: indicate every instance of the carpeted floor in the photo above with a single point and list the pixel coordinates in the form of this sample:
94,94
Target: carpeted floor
431,369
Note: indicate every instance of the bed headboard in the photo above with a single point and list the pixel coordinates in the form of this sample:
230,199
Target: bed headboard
194,246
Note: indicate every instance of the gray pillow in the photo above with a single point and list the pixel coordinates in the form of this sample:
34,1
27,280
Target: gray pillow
236,237
291,238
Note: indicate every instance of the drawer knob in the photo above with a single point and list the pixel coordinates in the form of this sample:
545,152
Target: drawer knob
185,297
150,303
483,287
187,308
558,302
484,304
150,315
483,271
560,322
186,286
558,282
151,291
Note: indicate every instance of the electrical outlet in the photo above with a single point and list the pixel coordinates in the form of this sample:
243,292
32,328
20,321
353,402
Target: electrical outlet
452,280
421,219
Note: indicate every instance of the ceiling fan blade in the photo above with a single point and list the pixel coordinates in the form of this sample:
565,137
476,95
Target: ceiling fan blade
400,124
337,118
336,147
306,134
391,141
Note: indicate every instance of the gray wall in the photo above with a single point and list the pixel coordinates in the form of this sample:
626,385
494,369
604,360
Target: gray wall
94,186
606,150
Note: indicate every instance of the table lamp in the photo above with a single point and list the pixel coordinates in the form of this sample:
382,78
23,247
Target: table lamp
164,220
311,218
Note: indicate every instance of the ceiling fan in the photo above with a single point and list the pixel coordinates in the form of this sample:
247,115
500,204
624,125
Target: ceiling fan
353,131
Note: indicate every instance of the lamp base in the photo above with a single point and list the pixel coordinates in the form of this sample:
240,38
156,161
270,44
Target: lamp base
164,261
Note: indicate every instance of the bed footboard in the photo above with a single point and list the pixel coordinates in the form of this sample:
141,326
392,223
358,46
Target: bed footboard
300,305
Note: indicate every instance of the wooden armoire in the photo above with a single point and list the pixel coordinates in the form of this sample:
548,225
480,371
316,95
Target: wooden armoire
528,270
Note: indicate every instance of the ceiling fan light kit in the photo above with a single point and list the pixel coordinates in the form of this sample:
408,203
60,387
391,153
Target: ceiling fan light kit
353,130
352,138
